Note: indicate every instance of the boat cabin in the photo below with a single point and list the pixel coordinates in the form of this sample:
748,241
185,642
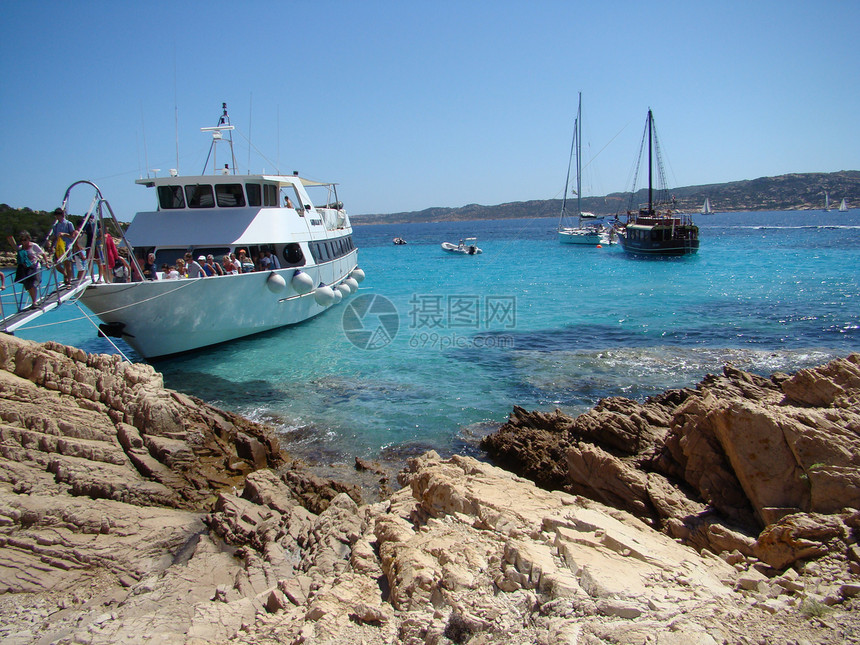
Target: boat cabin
218,214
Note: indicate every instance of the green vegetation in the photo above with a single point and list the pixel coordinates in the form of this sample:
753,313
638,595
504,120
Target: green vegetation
36,223
15,220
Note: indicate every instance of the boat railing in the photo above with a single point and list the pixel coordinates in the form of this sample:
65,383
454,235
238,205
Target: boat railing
84,259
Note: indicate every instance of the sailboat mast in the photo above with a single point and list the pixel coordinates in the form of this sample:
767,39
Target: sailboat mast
650,195
579,159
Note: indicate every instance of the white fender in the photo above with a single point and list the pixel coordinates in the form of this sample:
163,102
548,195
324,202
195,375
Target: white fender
344,290
302,282
352,283
358,274
276,283
324,295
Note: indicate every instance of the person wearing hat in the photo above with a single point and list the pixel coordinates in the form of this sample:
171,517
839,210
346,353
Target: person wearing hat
194,267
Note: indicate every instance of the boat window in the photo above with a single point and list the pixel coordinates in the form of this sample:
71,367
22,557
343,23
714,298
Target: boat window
255,194
293,255
270,194
200,196
229,195
170,197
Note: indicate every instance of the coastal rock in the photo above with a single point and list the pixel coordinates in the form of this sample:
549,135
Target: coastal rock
713,466
130,513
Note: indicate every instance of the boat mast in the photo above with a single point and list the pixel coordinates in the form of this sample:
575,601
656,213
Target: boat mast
569,163
650,195
579,160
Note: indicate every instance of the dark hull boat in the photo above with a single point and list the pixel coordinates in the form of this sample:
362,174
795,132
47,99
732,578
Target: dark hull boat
657,228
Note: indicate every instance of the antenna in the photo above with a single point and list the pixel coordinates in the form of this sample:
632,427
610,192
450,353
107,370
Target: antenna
175,107
223,126
250,114
143,127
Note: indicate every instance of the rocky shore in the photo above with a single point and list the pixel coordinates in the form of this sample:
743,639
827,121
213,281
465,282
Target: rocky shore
720,514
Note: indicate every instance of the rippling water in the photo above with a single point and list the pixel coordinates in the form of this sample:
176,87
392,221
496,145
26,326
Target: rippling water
453,342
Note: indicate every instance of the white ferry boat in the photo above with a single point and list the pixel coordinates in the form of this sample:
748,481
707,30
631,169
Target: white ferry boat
218,214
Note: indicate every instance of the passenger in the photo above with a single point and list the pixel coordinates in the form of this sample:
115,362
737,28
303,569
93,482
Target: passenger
150,271
287,202
60,236
210,260
88,233
265,261
121,270
180,268
195,268
27,265
245,265
274,257
237,266
112,254
79,257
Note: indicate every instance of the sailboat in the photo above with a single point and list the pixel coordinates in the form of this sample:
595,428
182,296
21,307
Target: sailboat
706,208
826,201
842,206
591,234
657,228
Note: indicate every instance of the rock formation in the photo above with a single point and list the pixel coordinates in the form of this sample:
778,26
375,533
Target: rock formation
130,513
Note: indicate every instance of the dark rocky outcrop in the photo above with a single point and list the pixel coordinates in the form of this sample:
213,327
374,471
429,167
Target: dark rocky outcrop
741,455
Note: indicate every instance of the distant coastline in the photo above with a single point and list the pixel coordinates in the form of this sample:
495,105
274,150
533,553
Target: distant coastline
796,191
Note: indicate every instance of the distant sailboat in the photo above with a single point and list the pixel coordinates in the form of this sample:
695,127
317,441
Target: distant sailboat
842,206
591,233
826,201
706,209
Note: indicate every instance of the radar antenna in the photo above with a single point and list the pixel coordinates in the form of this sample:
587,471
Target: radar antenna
217,137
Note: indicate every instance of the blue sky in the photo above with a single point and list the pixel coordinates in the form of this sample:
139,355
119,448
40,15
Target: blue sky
410,105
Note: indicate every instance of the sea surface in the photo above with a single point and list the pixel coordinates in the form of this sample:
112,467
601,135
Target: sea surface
435,349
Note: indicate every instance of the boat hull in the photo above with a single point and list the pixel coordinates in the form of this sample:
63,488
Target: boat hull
165,317
461,250
579,236
648,246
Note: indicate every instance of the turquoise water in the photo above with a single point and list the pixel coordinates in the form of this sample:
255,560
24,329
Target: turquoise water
528,322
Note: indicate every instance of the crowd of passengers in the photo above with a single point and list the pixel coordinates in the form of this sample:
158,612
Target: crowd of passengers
205,266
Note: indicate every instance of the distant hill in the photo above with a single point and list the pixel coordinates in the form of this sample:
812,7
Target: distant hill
797,191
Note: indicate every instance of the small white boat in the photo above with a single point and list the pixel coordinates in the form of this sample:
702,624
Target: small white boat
706,207
469,246
216,215
399,241
843,206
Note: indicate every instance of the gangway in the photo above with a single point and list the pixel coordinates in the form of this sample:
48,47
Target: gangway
54,293
49,302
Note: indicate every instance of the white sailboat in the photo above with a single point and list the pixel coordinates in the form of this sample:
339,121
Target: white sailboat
706,208
826,201
591,234
842,206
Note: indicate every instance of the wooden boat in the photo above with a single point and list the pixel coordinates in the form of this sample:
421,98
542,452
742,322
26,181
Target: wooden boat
657,228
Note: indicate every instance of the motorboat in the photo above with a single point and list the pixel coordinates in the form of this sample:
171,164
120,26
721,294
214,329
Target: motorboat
658,227
469,246
399,241
315,261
